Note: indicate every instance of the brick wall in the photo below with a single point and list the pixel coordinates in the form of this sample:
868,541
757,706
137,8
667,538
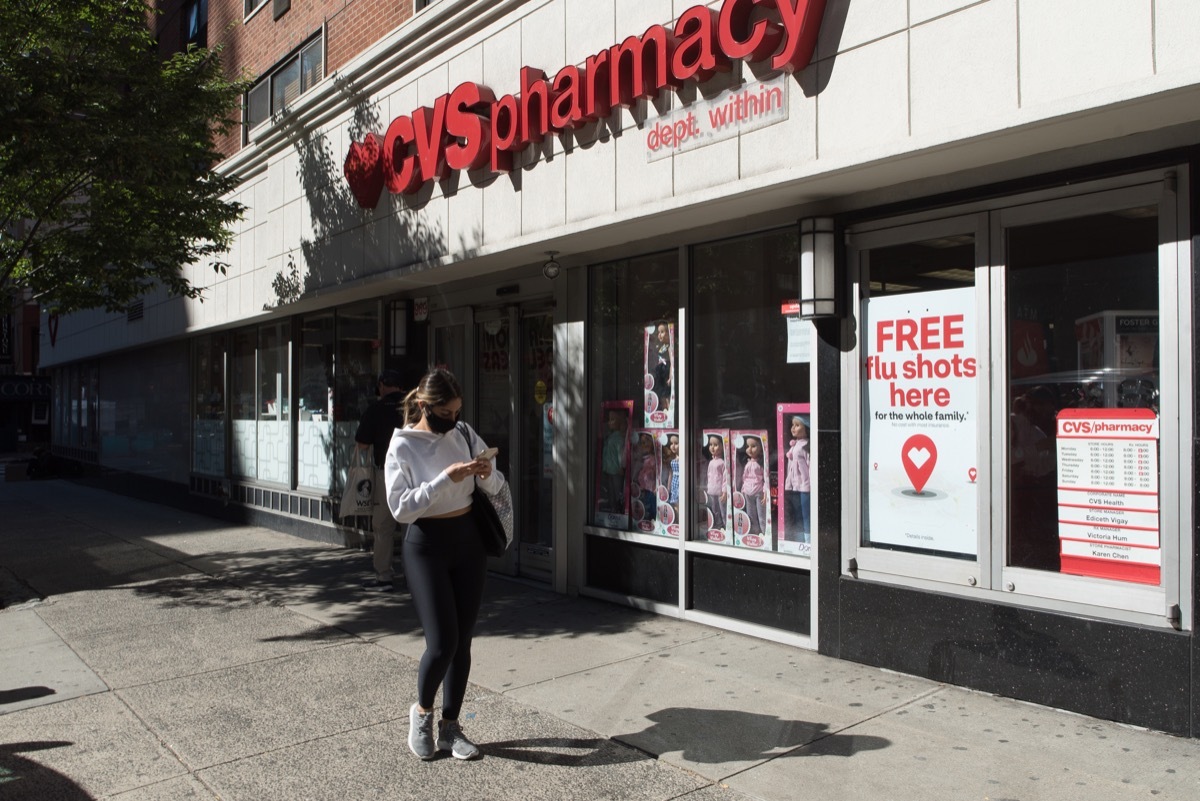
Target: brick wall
256,44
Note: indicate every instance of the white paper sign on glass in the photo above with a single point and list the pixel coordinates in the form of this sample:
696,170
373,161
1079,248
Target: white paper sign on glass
920,431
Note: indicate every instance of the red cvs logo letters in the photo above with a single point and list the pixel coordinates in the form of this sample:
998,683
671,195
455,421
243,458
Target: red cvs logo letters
471,129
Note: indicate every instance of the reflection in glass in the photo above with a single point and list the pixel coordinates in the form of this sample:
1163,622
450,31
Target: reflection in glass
314,428
1082,332
750,353
208,426
920,398
626,297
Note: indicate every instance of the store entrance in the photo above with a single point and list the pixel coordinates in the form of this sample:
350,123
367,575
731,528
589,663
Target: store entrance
507,373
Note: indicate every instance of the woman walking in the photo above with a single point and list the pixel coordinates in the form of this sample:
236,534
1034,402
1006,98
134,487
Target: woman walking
430,473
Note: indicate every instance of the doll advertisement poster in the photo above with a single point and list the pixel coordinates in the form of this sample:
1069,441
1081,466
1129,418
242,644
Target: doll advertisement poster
751,489
645,461
659,381
667,508
612,468
793,510
713,491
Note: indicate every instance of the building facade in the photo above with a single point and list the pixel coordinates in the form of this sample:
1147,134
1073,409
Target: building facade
826,322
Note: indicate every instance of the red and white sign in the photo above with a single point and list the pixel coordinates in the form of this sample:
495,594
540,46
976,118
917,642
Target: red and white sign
472,129
922,434
735,111
1108,506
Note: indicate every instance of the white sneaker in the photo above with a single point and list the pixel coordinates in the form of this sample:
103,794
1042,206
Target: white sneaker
420,733
451,738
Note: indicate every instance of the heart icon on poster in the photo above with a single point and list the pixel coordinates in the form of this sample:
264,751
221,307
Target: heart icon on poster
919,456
972,474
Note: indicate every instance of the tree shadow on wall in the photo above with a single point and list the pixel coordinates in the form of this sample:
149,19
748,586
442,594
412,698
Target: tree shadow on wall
340,241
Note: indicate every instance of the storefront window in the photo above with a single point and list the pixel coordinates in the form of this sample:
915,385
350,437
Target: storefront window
1019,424
633,361
750,441
921,397
142,416
314,438
208,423
244,409
274,409
1083,365
356,373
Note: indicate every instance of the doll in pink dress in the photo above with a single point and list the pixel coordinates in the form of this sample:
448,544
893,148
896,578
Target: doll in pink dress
754,485
796,482
717,481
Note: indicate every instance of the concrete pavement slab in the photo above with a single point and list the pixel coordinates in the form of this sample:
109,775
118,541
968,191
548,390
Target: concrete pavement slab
185,788
200,643
725,703
959,744
250,709
550,640
87,748
528,756
37,667
104,564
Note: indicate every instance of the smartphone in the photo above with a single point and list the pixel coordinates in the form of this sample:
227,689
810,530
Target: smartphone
488,454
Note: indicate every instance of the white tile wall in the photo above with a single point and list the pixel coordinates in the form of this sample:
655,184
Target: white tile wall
794,140
863,109
923,10
709,166
545,183
542,33
964,67
633,17
1177,35
1072,47
861,21
590,28
639,182
591,180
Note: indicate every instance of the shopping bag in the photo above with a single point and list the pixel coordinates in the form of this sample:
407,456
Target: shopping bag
493,512
358,498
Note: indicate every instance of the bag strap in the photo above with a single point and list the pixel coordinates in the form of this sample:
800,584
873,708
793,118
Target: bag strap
462,429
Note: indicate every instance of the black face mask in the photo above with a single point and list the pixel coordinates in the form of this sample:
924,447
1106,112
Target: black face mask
437,424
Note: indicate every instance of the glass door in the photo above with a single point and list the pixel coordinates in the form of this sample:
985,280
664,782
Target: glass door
534,489
449,342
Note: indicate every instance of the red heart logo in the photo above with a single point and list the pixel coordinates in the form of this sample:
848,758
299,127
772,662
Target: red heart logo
918,455
364,170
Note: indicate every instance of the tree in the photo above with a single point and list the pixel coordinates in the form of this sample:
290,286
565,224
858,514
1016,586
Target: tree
108,185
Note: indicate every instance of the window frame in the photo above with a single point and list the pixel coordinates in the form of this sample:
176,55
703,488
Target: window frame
990,577
267,84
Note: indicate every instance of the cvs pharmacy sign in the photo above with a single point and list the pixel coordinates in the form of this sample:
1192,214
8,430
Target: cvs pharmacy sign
472,129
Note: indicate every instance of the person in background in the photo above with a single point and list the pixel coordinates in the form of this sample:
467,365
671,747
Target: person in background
430,472
374,433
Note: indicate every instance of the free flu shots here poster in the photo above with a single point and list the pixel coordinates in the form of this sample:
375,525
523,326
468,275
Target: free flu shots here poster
921,442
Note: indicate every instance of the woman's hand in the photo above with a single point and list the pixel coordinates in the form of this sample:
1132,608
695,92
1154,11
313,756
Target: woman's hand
464,470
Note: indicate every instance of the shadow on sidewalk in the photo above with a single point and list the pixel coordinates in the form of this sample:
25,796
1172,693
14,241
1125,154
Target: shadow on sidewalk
714,736
22,778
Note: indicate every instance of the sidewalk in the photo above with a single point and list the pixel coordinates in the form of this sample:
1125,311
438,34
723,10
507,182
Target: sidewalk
149,655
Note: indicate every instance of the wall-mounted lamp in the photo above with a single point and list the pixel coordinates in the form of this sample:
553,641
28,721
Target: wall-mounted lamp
818,273
551,268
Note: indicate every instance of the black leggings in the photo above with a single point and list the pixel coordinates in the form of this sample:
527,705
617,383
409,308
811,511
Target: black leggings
445,566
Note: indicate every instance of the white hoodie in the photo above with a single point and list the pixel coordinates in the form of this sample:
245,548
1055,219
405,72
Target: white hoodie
414,473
